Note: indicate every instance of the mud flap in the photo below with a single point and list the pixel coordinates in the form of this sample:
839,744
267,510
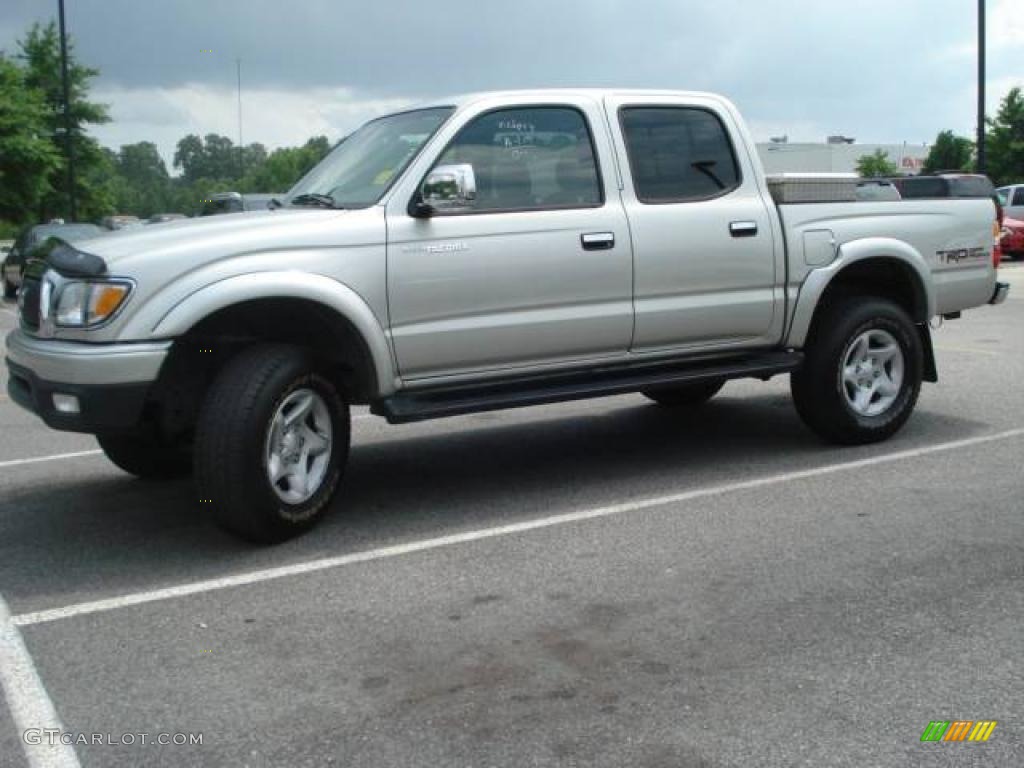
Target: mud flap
931,370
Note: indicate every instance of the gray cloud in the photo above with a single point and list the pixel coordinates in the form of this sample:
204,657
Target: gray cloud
875,69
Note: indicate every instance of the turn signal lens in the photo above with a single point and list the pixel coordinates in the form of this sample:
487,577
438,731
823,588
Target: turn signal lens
104,301
83,304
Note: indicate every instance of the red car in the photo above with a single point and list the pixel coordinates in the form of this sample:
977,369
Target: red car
1012,238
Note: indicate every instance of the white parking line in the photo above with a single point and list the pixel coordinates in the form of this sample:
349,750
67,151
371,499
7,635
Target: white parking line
312,566
53,457
28,701
80,454
968,350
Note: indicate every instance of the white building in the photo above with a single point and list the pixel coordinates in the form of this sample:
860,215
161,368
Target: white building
839,157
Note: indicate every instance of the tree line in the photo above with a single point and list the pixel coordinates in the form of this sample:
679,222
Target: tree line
132,180
1004,148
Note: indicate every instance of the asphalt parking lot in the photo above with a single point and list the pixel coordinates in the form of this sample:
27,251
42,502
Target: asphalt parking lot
601,583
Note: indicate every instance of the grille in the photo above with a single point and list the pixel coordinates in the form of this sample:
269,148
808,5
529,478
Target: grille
28,301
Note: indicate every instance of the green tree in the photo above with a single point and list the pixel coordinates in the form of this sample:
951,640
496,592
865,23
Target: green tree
144,187
876,164
949,153
40,53
216,157
285,166
1005,140
190,157
28,159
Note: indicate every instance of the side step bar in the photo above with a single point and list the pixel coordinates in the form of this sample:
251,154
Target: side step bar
422,404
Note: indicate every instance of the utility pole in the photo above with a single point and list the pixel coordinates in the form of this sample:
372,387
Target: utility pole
241,160
68,144
981,162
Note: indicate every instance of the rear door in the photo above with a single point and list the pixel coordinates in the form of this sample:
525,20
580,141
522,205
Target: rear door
537,273
706,260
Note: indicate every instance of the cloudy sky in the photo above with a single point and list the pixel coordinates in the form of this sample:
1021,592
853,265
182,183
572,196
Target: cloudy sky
879,70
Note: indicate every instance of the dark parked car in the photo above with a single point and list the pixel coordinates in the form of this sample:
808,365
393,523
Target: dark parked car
159,218
234,202
121,221
33,237
945,185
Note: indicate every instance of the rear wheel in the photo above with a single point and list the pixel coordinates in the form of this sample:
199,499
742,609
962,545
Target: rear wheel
144,455
862,373
683,395
271,444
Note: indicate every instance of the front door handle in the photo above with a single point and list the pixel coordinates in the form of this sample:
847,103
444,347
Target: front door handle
743,228
598,241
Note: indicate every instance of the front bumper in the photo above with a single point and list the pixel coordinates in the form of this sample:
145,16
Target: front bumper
109,381
999,294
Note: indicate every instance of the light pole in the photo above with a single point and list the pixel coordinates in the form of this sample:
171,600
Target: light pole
241,160
68,144
981,162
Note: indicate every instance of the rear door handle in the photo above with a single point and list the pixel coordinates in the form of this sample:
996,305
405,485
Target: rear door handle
743,228
597,241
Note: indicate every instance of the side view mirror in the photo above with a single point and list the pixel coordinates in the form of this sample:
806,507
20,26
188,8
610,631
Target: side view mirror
448,188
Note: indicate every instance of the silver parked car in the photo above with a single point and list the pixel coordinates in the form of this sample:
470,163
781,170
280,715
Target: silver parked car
1012,198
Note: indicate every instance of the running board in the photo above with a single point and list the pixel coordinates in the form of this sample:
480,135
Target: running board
435,403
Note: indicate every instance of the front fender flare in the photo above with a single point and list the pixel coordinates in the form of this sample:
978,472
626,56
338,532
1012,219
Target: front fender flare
283,285
818,280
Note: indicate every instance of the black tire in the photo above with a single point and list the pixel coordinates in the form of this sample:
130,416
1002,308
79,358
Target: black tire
146,456
231,443
818,390
683,395
10,289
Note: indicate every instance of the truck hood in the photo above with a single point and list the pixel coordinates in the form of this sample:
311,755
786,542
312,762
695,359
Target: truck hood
170,261
182,245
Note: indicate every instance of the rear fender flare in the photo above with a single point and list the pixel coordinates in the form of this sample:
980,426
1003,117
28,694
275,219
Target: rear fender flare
818,280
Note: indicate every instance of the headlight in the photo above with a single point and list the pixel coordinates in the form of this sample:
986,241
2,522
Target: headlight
82,304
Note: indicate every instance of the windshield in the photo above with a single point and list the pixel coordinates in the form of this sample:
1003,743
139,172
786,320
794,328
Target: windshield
362,168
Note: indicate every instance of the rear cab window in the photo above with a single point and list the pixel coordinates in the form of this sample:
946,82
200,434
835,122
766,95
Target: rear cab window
678,153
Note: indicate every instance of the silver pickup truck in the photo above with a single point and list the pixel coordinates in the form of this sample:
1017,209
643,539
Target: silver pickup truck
490,251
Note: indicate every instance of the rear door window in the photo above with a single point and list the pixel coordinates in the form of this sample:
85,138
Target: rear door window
678,154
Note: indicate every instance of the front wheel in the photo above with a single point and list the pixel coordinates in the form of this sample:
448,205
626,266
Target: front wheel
271,444
862,372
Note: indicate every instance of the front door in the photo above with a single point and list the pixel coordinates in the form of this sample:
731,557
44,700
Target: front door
537,271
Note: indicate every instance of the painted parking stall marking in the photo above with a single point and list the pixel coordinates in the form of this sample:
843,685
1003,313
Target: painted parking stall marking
29,703
313,566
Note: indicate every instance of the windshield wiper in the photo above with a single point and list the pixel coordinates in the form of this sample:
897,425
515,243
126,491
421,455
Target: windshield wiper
314,198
